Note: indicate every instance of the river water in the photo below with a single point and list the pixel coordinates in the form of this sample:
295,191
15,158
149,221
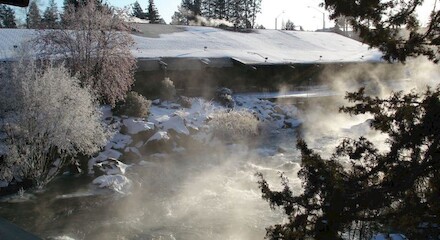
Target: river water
209,195
203,194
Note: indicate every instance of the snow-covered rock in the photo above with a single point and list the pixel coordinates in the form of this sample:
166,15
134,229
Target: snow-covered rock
109,153
176,123
159,136
118,183
111,166
136,126
118,141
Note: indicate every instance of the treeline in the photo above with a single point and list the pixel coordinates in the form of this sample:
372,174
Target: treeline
50,18
237,13
151,14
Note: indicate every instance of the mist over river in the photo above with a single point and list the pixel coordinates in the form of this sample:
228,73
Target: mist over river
204,192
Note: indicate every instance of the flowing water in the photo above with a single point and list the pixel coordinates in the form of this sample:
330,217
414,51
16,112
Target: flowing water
209,195
203,194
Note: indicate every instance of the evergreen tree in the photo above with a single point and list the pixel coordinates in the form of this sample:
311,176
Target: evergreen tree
152,14
197,8
360,190
137,11
289,25
220,10
50,16
33,18
7,17
207,8
253,10
179,17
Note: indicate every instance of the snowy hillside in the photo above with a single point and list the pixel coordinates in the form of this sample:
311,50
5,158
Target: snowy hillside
259,47
279,47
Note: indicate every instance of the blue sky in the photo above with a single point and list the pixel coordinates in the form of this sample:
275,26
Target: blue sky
306,13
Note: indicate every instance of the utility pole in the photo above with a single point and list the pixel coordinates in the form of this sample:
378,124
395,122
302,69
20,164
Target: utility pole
277,19
323,16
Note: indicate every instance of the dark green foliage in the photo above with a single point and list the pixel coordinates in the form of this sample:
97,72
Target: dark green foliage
50,16
134,105
380,24
289,25
7,17
137,11
33,18
241,13
152,14
396,189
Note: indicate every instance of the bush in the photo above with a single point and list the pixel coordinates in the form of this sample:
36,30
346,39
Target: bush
135,105
46,119
184,101
224,97
234,125
167,89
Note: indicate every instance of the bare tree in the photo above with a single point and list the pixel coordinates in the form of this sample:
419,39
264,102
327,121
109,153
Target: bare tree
97,48
46,119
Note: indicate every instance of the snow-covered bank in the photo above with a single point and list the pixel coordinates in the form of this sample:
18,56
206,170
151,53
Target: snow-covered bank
170,128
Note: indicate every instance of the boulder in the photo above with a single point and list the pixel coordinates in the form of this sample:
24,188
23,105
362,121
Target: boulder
118,183
159,142
110,166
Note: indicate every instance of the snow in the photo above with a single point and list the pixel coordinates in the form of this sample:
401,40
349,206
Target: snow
114,182
113,167
160,135
176,123
257,47
136,126
118,141
106,154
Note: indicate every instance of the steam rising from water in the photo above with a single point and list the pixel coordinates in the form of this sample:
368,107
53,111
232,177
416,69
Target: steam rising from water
323,125
212,193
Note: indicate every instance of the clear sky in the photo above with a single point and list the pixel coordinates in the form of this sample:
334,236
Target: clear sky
305,13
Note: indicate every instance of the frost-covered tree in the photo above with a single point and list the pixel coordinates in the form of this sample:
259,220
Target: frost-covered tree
46,119
152,13
7,17
96,48
137,11
33,17
50,16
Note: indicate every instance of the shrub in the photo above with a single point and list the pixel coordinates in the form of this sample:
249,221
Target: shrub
135,105
46,119
224,97
184,101
234,125
167,89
